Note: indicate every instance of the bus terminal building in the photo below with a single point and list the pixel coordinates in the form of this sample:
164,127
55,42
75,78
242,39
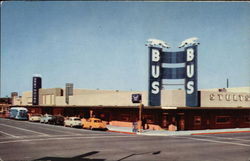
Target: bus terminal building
218,108
185,109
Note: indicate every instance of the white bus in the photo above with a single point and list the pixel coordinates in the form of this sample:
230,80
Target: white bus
19,113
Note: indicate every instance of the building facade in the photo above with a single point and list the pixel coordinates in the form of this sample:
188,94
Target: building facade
219,108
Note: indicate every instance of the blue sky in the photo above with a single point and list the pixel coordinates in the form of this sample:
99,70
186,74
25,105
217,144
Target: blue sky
101,44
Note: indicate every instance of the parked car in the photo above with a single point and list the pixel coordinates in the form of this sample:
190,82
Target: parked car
35,117
93,123
45,118
73,122
57,120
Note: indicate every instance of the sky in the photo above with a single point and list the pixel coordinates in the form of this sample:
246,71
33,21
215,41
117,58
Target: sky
101,45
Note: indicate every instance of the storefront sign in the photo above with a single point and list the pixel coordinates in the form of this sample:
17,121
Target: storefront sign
157,72
229,97
136,98
191,77
37,84
154,76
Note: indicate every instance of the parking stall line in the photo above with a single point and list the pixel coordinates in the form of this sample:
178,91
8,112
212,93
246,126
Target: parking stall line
226,138
25,129
215,141
9,134
62,138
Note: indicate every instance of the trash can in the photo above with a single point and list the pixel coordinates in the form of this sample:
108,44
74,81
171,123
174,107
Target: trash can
135,127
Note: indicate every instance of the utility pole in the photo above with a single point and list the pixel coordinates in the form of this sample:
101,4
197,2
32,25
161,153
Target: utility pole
140,117
227,82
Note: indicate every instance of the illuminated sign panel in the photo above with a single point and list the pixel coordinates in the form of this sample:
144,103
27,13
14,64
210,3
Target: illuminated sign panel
157,72
191,77
37,84
154,76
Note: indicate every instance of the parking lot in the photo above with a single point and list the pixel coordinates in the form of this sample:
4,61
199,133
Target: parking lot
23,140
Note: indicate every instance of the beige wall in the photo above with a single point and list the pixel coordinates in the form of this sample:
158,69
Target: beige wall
173,98
170,98
105,98
236,89
27,98
60,101
48,96
17,100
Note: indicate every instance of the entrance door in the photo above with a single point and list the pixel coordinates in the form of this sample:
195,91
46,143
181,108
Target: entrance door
180,121
165,121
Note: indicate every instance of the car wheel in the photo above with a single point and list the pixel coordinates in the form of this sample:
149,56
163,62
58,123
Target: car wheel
71,125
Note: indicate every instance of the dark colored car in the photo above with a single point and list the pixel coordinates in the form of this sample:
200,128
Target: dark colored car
57,120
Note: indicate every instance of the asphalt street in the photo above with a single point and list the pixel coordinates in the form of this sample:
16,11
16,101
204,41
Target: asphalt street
27,141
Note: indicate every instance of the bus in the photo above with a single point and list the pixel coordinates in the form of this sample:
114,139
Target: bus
19,113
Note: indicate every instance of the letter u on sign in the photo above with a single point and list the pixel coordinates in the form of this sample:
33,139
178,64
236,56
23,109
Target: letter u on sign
190,71
155,71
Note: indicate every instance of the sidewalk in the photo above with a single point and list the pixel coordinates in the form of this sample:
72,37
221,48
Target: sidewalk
128,130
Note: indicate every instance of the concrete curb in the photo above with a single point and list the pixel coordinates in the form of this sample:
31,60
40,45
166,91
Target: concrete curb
205,132
228,132
123,132
126,130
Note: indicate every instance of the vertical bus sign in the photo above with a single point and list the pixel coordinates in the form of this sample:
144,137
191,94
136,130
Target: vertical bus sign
154,92
37,84
191,76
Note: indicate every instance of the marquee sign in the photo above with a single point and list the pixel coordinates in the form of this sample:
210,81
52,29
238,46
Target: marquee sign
191,77
155,76
37,84
157,72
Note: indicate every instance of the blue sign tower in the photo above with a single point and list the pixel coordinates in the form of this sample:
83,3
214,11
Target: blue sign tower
157,72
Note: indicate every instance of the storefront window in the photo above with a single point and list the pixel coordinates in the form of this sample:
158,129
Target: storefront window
149,119
197,120
124,117
223,119
247,119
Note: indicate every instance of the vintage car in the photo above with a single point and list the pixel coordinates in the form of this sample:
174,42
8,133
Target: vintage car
93,123
45,118
35,117
57,120
73,122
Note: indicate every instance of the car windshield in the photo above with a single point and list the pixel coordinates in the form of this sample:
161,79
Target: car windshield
77,119
97,120
23,113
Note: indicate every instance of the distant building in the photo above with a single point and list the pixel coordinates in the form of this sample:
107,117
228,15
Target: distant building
5,104
14,94
68,92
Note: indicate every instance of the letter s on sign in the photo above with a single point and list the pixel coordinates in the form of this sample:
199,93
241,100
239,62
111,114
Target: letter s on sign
212,97
190,87
155,87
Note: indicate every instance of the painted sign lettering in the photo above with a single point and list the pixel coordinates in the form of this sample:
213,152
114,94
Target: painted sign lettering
154,76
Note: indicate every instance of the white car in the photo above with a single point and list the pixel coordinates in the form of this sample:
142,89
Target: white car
35,118
45,118
73,122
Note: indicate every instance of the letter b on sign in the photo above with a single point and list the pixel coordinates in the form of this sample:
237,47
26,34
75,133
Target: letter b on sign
155,55
190,54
